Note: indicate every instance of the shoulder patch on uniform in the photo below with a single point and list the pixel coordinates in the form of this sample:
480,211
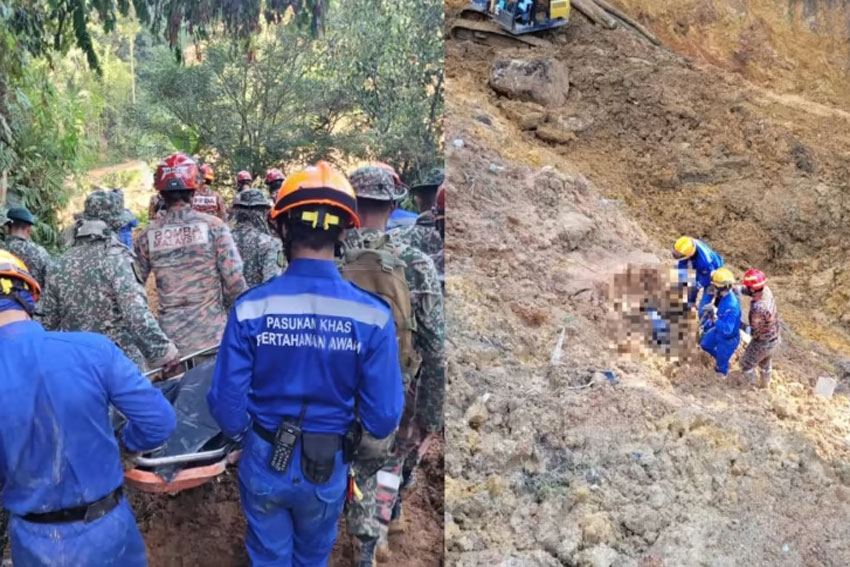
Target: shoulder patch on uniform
383,301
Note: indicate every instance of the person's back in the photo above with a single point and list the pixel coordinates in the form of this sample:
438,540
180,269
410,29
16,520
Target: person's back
424,236
300,355
19,242
60,466
197,266
262,254
207,201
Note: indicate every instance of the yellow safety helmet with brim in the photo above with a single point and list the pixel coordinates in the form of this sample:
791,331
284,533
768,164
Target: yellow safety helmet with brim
722,278
15,277
685,247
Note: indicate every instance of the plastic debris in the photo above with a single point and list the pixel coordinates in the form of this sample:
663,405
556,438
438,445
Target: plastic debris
609,374
825,386
458,143
559,348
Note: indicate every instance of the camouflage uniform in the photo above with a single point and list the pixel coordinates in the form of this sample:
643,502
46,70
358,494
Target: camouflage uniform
205,200
36,258
198,274
424,236
370,517
765,337
262,254
96,287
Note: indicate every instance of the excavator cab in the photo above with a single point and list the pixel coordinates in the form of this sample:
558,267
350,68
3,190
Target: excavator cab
514,18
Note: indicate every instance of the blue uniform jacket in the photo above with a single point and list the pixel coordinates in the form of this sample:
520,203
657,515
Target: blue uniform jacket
125,233
728,322
57,446
308,335
703,263
401,217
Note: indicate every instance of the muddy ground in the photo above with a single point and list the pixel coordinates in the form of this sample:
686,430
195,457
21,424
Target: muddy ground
551,464
204,527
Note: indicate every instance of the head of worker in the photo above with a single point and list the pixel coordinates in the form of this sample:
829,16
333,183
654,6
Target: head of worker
439,211
208,174
753,283
425,192
274,181
105,206
177,178
377,195
20,222
251,206
243,180
723,280
18,289
684,248
312,211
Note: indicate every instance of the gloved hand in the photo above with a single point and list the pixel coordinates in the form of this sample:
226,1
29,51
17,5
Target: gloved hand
171,367
127,457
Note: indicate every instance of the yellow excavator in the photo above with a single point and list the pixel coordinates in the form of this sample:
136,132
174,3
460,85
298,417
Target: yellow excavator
508,22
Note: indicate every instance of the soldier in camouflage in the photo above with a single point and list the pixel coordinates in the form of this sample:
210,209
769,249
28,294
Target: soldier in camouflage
19,242
262,254
369,519
424,234
197,266
96,287
205,200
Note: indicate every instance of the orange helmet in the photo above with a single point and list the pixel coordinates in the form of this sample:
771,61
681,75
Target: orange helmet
14,275
177,172
207,172
320,184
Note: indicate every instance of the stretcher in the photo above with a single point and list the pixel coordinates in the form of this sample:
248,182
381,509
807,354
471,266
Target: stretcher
197,451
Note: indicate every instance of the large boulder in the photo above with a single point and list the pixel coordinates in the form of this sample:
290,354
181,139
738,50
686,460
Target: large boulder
544,80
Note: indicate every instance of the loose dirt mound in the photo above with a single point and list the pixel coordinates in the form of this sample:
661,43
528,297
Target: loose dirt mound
666,467
205,527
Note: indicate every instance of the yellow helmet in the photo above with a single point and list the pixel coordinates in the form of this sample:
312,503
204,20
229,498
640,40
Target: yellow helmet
14,275
685,247
722,277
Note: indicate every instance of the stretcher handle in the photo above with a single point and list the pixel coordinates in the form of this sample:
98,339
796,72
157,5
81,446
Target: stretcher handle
184,359
180,459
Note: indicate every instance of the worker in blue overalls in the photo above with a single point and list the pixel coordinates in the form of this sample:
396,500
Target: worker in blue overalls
698,256
60,465
298,354
720,315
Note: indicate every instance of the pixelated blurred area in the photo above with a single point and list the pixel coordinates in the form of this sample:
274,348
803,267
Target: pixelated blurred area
649,312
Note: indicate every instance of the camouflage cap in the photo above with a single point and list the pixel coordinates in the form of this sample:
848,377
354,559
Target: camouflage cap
107,206
373,182
251,198
431,181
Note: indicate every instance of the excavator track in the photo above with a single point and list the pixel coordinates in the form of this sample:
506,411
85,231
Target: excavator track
490,33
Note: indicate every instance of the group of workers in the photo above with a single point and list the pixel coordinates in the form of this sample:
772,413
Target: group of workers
719,311
333,389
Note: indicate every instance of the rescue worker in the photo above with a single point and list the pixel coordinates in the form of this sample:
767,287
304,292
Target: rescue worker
764,328
720,313
300,352
274,181
60,465
262,254
197,266
205,200
243,180
424,235
128,223
698,256
369,519
19,242
96,286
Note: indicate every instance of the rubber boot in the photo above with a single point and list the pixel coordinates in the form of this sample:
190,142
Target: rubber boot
383,554
397,523
750,377
765,378
367,552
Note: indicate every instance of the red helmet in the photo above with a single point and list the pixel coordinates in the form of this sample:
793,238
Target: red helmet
754,280
441,198
273,175
243,177
177,172
389,169
207,172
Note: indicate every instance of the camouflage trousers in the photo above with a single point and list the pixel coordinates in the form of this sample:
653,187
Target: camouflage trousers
759,353
369,518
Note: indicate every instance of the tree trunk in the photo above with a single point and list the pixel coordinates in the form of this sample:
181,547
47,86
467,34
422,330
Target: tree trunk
132,71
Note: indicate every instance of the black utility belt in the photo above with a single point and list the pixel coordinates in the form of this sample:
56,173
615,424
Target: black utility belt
318,450
86,513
